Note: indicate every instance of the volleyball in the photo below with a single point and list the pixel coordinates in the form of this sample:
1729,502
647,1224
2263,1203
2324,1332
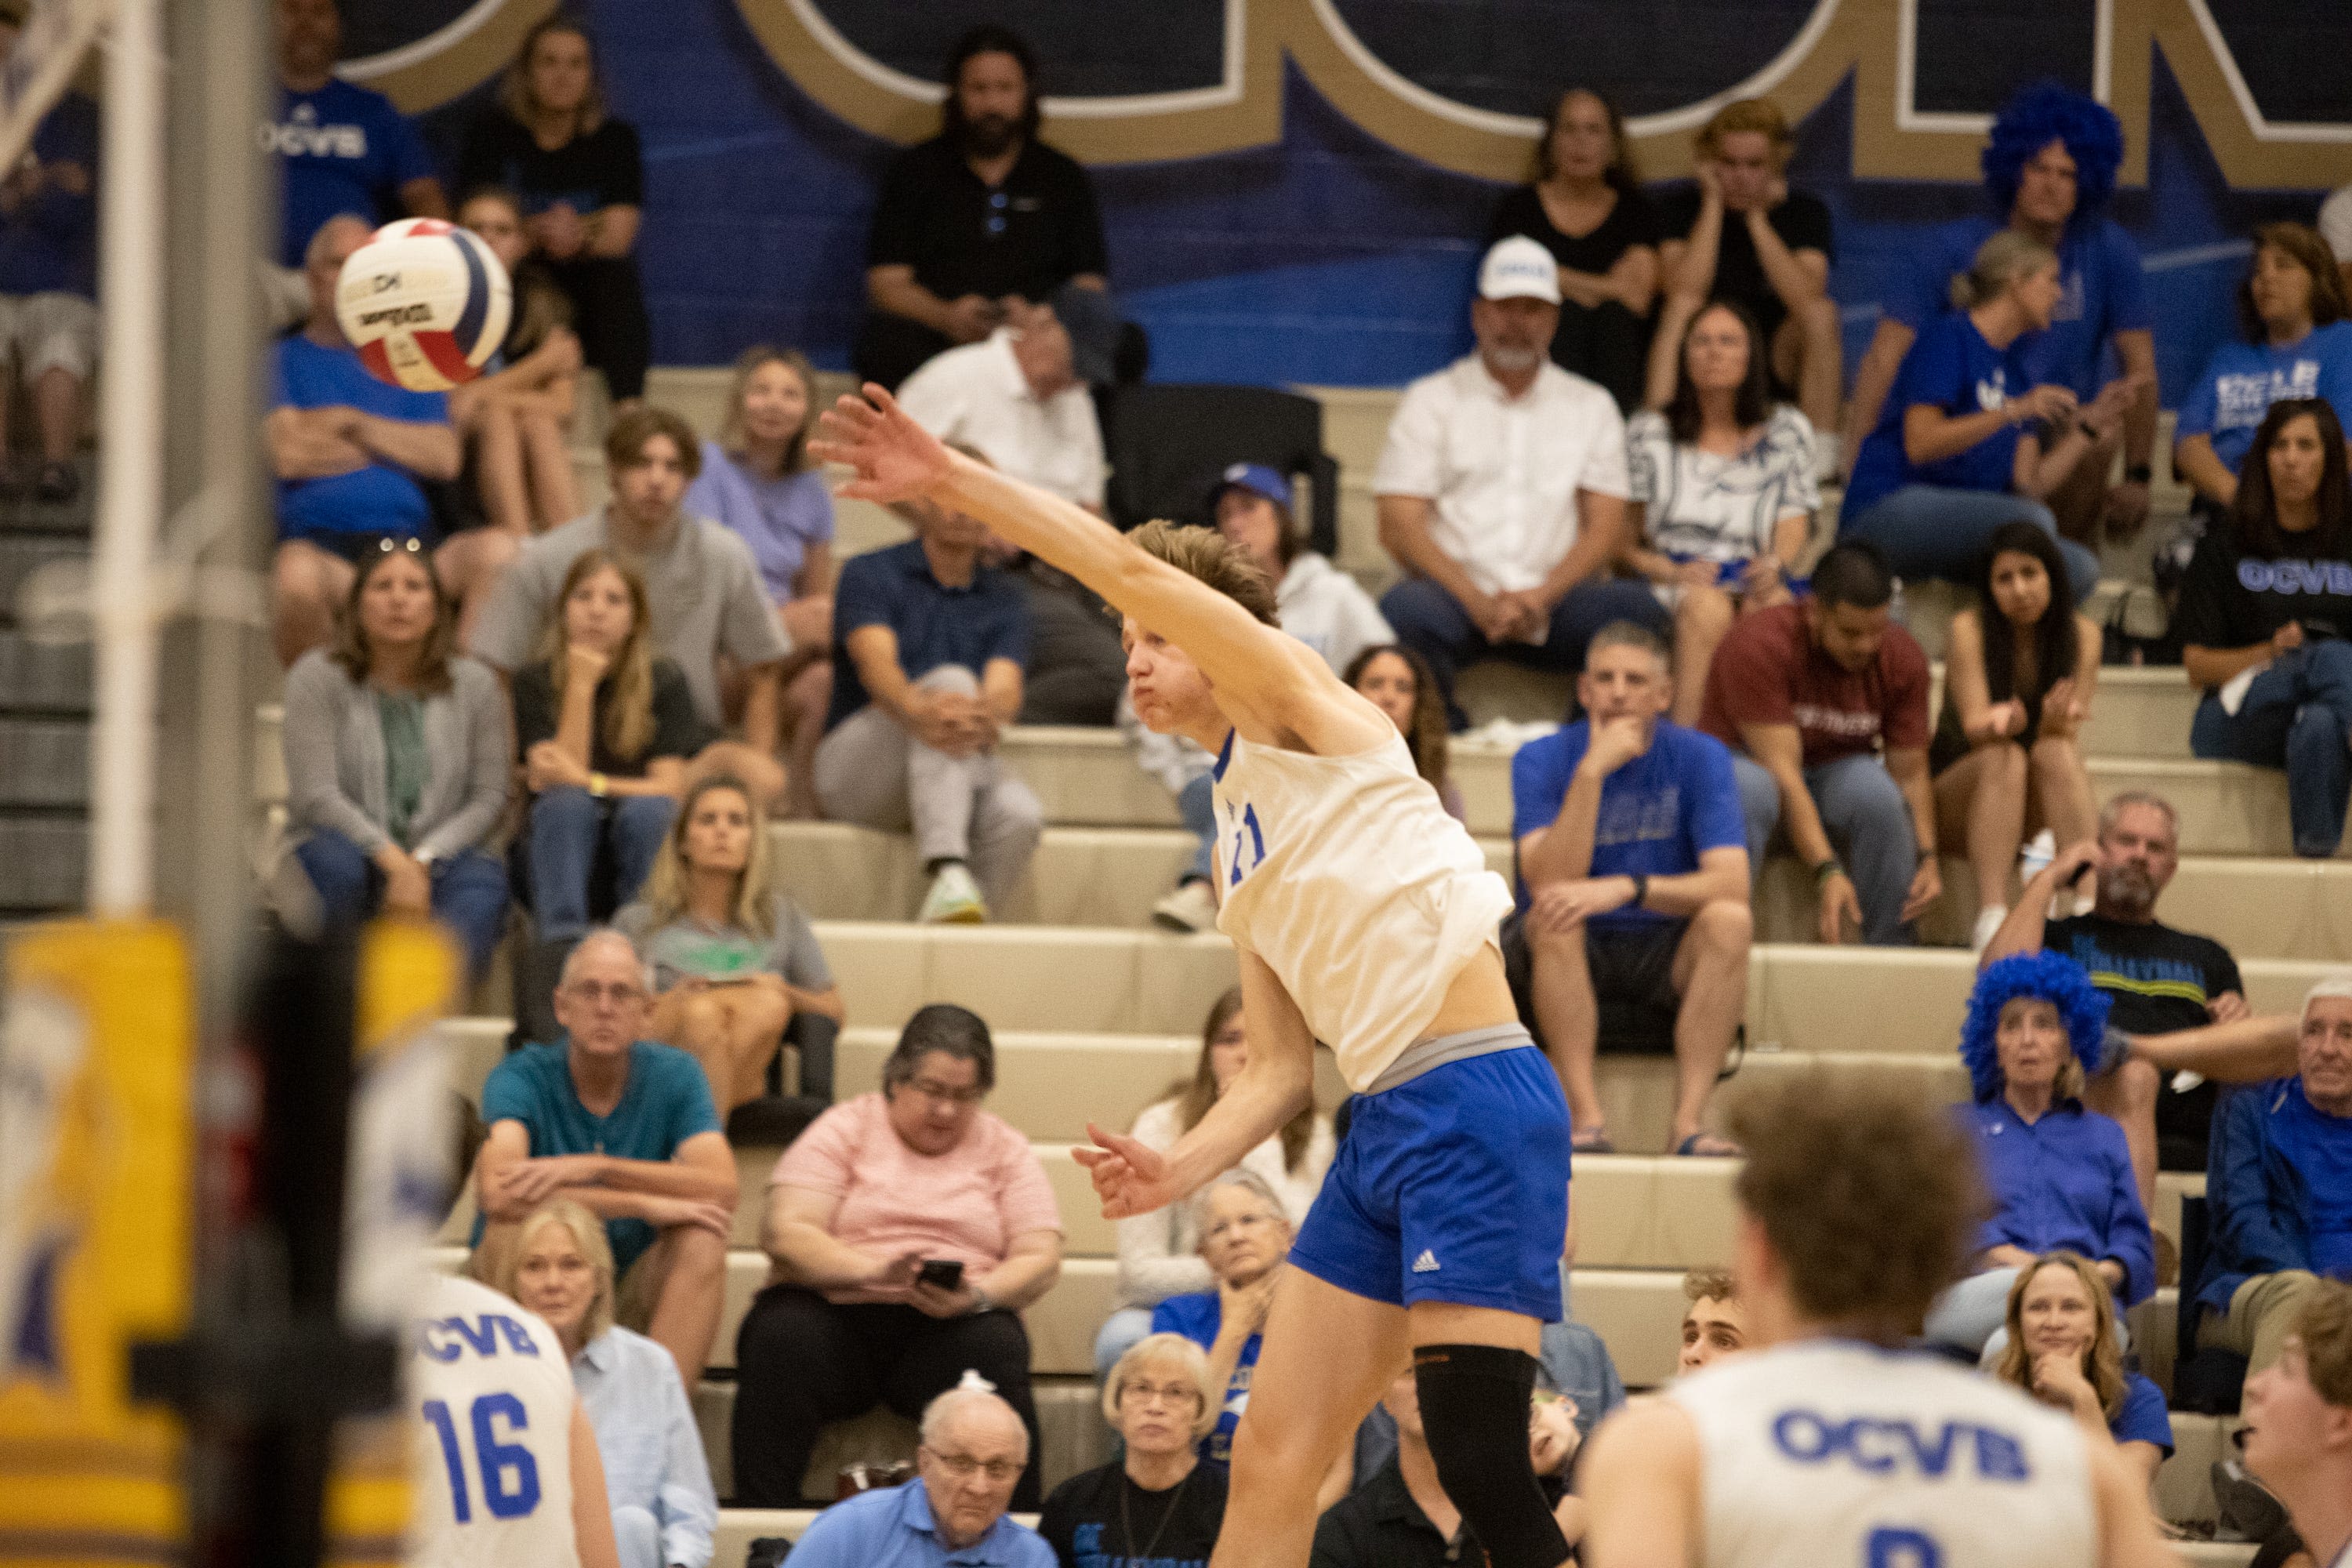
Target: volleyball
425,303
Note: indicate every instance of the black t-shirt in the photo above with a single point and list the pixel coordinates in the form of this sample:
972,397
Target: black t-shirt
2230,599
1632,222
1083,1523
1028,236
1802,222
602,169
1380,1526
2158,980
678,730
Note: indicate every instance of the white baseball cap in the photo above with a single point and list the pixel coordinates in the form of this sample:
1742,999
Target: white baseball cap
1518,267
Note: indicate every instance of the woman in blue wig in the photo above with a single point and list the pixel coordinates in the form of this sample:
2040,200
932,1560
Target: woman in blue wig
2060,1176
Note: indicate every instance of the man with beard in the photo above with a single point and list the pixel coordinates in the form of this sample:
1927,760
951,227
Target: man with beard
2162,981
979,217
1502,493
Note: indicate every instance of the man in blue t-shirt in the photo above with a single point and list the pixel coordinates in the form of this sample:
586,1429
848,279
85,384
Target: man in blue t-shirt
348,452
626,1128
928,647
344,148
2049,166
1632,858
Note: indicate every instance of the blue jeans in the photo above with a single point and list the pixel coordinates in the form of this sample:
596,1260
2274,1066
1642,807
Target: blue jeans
569,827
1197,805
1869,825
470,891
2297,716
1925,531
1427,620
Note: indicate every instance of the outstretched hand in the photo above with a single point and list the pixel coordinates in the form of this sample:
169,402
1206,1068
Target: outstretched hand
896,458
1130,1178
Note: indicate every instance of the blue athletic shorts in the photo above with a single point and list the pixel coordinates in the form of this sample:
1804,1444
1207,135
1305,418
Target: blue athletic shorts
1452,1186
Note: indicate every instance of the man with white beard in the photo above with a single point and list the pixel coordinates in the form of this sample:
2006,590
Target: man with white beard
1502,492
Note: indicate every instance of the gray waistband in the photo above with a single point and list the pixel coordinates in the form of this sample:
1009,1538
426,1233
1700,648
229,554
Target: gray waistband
1439,1049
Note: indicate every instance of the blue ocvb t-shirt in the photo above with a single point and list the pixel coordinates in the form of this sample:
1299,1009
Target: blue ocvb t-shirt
2319,1146
1950,367
935,625
2143,1418
382,498
666,1102
2105,293
344,150
2242,380
1658,812
1197,1316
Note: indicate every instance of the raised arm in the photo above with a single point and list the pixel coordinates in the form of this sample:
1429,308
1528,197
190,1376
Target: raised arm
1266,682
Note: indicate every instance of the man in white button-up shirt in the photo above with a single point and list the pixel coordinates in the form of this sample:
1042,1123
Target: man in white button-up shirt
1502,492
1020,396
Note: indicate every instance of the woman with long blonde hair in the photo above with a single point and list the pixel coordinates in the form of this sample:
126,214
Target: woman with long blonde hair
1159,1253
2063,1350
733,957
605,727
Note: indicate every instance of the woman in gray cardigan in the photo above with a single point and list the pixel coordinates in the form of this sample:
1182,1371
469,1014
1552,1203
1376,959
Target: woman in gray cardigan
396,760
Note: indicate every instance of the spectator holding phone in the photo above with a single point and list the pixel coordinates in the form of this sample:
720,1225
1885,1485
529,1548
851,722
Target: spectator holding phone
907,1230
2265,609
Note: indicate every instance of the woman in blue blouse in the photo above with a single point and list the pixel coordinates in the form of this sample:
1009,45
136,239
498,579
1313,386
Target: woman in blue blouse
759,480
2060,1176
2064,1349
1967,442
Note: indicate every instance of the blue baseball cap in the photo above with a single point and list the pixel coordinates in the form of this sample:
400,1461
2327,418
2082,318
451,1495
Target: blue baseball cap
1255,478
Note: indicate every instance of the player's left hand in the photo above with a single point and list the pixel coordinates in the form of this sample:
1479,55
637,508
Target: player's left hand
1130,1178
896,458
1926,887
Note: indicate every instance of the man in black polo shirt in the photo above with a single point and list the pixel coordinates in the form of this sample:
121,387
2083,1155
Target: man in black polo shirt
2160,981
981,213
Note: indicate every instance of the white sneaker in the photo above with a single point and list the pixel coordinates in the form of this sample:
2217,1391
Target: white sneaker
1989,920
954,899
1191,906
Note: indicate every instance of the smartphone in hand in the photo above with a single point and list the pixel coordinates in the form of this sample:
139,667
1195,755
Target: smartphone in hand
946,1273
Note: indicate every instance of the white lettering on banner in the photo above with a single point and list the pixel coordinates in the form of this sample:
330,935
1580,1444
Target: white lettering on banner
2242,400
2295,576
301,136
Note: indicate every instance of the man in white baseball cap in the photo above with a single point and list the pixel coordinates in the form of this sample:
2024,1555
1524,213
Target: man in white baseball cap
1502,492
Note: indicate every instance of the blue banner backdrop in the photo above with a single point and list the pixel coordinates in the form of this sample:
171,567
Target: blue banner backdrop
1294,190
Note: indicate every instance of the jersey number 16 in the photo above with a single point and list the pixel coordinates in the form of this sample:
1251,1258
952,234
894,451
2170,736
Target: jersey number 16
509,1474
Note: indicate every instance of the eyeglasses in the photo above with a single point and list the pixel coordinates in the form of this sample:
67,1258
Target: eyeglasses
387,544
596,993
1173,1393
1220,1228
963,1467
933,1089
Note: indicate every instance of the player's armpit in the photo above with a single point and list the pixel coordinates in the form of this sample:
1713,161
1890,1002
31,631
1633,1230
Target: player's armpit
2128,1534
1640,1481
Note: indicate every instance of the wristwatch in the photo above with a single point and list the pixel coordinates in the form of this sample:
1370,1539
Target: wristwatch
980,1302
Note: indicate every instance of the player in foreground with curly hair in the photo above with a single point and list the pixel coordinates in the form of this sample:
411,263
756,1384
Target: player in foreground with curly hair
1365,917
1830,1447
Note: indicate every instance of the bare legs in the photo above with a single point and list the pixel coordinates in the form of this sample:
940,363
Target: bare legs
1701,619
1809,354
734,1031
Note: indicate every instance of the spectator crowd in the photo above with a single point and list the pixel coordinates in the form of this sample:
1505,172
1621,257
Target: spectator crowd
503,708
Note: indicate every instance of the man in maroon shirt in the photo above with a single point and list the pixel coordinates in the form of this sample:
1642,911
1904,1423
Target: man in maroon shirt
1806,695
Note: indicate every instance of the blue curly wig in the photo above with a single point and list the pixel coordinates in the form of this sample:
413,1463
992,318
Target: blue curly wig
2046,977
2050,111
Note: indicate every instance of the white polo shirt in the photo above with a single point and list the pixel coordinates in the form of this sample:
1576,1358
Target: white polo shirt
1502,473
977,395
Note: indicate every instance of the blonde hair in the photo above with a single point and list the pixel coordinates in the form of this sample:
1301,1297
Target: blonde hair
2001,260
1757,115
629,718
1210,556
1185,1355
501,1269
754,905
2102,1359
1194,1095
751,363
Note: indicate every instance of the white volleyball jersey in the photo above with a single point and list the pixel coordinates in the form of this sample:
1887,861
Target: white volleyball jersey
491,1390
1348,878
1833,1453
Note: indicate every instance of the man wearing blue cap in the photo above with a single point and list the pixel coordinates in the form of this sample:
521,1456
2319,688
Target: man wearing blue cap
1502,492
1320,605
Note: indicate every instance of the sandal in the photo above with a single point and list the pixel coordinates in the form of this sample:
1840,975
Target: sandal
1707,1146
1595,1141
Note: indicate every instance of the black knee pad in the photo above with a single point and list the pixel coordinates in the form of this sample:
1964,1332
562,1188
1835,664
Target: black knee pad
1474,1411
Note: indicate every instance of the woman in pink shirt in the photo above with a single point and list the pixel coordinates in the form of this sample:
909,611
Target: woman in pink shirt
906,1229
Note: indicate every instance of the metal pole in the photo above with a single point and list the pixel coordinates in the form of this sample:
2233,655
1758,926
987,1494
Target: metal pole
131,474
